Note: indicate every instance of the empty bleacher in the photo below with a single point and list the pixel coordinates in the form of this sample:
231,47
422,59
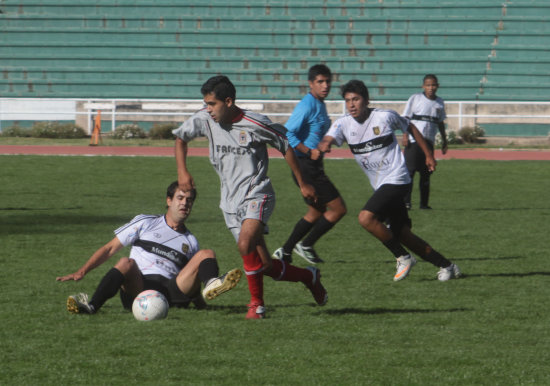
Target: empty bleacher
489,50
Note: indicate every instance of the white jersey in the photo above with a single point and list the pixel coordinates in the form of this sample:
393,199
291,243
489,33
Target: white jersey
425,114
238,152
157,248
374,145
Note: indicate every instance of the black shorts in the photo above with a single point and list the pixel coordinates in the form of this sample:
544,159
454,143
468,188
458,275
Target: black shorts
415,159
388,205
313,173
167,287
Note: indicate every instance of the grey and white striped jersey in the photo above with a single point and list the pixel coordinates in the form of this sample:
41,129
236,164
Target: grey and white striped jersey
238,152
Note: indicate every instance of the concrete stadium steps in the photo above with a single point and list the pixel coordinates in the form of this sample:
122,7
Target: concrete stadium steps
272,8
167,48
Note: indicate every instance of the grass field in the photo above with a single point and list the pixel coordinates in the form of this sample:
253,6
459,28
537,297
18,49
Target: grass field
491,327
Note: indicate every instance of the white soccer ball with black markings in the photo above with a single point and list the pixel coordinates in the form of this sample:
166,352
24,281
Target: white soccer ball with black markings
150,305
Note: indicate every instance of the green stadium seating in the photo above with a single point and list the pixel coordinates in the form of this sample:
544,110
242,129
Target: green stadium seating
167,48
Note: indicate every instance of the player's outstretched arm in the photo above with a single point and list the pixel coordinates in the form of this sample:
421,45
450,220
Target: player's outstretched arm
307,190
430,160
99,257
325,144
185,180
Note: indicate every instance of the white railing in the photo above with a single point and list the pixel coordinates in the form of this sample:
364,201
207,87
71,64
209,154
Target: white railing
82,111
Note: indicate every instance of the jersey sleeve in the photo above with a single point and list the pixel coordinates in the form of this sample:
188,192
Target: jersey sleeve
130,232
273,134
398,122
295,123
192,128
408,108
336,131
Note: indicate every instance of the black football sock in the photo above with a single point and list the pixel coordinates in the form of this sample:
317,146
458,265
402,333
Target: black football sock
321,227
208,269
395,247
437,259
301,229
107,288
424,193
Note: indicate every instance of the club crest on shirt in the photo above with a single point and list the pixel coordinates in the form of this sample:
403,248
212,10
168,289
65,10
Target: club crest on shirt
242,138
254,205
185,248
376,130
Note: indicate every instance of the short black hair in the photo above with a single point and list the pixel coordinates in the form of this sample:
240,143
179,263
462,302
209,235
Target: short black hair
356,86
318,69
430,76
173,188
221,86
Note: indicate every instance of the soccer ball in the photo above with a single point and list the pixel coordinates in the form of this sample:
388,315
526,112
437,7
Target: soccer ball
150,305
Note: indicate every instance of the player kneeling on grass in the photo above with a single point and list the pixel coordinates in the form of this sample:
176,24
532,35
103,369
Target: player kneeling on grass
165,256
371,138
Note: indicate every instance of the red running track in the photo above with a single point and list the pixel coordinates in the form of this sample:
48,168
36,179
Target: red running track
151,151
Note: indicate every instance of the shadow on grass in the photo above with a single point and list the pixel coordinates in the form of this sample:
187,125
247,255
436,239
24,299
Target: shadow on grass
53,223
511,274
380,311
457,259
25,208
471,209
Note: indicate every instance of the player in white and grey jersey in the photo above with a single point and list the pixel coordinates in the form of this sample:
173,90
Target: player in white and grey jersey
427,112
371,138
238,152
165,256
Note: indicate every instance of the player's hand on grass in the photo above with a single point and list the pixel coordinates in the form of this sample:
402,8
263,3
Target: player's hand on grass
73,276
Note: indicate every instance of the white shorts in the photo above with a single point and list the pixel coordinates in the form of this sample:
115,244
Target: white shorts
256,208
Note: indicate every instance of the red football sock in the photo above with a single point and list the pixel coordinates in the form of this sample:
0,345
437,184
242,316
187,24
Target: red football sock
253,268
287,272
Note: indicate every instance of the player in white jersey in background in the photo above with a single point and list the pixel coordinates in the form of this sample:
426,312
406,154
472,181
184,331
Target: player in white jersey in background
371,138
426,111
238,152
165,256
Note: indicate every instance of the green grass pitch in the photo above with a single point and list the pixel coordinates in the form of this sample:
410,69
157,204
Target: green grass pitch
491,327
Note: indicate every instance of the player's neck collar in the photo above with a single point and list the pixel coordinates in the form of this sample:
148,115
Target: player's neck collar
181,228
425,96
238,116
366,117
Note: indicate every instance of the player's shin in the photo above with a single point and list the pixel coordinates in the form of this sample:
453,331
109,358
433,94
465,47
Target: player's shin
286,272
107,288
208,269
253,269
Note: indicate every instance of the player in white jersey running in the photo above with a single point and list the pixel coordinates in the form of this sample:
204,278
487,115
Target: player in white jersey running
165,256
371,138
238,151
426,111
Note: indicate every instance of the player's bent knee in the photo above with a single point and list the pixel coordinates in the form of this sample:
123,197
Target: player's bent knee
125,265
366,219
205,254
